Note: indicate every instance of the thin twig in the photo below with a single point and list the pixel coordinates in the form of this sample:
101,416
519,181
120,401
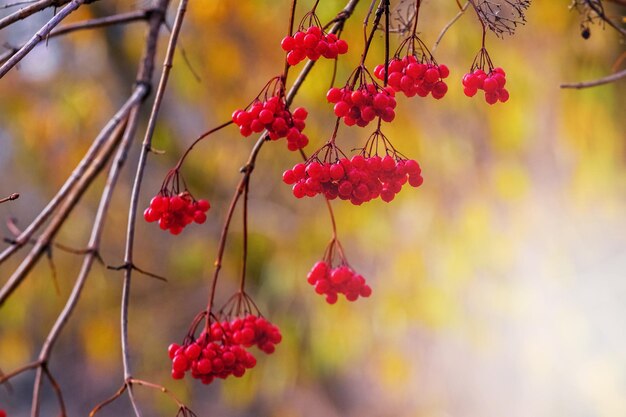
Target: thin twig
43,241
17,3
134,199
79,172
122,18
39,36
600,81
12,197
73,195
448,26
27,11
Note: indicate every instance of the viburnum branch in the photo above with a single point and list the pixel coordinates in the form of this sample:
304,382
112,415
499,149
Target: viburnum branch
109,400
449,25
480,19
12,197
143,77
27,11
246,190
249,167
17,3
80,172
39,36
15,231
134,199
43,241
134,381
94,242
4,378
600,81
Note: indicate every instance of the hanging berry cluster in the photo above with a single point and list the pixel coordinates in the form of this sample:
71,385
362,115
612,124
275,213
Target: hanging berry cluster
362,100
174,209
492,81
341,279
221,348
312,43
416,73
359,179
269,112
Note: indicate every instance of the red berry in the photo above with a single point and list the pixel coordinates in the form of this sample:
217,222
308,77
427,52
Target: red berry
288,43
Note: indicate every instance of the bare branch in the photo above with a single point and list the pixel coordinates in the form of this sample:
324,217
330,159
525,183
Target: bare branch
594,83
25,12
39,36
118,19
79,172
134,200
448,26
68,204
12,197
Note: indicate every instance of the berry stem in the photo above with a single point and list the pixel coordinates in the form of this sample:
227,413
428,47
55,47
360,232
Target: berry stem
289,33
480,20
245,233
386,78
368,39
418,3
202,136
332,217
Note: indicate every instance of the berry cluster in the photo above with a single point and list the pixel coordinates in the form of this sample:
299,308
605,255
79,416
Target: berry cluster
412,77
253,330
358,179
330,282
362,105
272,115
176,211
491,83
221,352
312,44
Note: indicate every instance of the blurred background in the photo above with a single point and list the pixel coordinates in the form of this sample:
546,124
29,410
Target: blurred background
499,285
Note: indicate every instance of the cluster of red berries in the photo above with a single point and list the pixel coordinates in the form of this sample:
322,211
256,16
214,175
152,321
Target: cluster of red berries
3,413
415,78
491,83
221,352
364,104
253,330
358,179
274,116
340,280
312,44
176,211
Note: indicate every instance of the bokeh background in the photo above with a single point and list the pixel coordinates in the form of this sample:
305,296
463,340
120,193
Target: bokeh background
499,285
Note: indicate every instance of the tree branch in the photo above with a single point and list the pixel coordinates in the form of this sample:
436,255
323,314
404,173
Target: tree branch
600,81
12,197
39,36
